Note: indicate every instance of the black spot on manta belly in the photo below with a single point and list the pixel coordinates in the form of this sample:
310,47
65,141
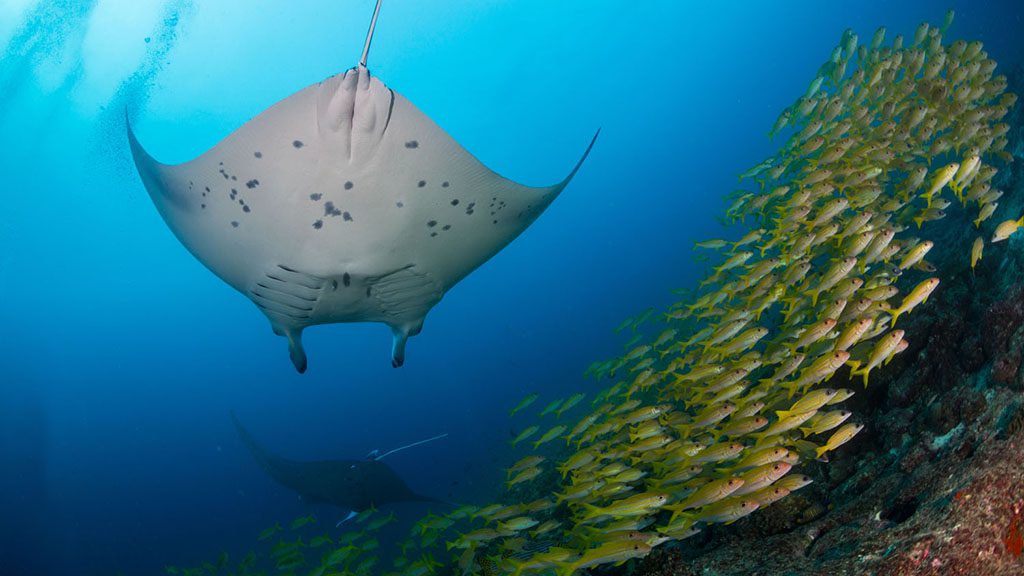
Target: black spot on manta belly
316,197
346,279
455,202
298,144
346,216
399,204
246,209
432,234
252,184
412,144
331,210
318,224
432,223
348,185
444,184
234,223
446,227
258,154
421,183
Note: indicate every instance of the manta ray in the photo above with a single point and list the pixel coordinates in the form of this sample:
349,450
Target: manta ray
342,203
352,485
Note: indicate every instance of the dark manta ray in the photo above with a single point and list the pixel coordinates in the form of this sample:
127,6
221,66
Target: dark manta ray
341,203
352,485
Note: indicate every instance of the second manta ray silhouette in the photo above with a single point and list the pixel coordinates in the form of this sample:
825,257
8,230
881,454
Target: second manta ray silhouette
352,485
342,203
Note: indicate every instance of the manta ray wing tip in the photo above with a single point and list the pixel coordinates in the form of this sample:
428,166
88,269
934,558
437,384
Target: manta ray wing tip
583,158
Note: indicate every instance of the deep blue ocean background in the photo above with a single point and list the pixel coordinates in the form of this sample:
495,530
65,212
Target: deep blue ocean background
121,356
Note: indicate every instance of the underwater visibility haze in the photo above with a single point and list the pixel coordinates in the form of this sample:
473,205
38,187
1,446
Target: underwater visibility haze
164,158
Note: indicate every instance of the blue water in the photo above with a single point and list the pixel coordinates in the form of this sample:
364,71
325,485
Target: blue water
121,356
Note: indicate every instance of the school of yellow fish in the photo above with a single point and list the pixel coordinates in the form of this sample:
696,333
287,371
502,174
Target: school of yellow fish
708,416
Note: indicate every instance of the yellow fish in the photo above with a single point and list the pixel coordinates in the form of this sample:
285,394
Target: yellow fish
942,177
530,399
712,491
840,437
825,422
568,404
616,552
638,505
915,254
728,512
985,213
918,295
976,250
549,436
1006,229
525,434
524,476
879,353
811,401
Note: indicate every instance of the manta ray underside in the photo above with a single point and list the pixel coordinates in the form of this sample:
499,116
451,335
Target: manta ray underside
341,203
352,485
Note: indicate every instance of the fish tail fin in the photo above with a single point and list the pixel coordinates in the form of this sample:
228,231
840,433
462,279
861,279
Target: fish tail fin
807,431
820,451
814,296
783,414
865,373
895,314
589,511
566,569
678,510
